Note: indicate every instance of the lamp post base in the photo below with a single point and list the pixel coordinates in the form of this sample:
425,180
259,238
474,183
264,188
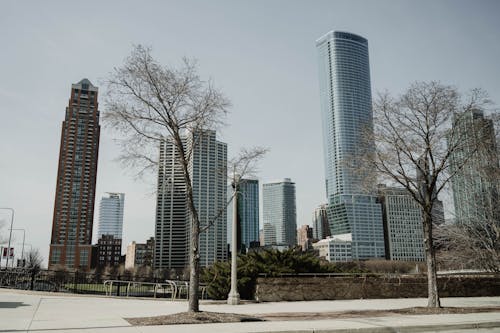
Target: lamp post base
233,298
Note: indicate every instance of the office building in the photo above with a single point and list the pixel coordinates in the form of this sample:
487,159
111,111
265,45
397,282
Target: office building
279,213
476,185
207,167
321,228
345,93
403,225
336,248
248,214
140,254
71,238
111,215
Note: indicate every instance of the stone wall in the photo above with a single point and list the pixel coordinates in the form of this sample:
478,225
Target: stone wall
334,287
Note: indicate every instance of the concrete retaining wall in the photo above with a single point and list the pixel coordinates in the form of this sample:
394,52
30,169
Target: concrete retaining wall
334,287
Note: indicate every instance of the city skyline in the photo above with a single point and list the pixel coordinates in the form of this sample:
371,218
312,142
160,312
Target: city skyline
252,65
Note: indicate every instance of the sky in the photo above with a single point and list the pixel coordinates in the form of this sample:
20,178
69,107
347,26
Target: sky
262,54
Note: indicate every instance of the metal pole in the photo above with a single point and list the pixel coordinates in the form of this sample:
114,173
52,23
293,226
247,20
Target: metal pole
10,235
234,297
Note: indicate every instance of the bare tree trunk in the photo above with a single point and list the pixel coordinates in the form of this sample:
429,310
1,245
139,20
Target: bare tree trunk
194,266
433,295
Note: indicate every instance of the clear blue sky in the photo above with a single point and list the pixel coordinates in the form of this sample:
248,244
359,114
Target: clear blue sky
261,53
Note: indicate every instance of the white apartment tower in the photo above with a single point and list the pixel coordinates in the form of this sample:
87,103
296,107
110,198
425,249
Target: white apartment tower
208,171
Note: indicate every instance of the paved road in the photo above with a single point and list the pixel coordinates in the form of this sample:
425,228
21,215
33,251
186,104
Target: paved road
43,312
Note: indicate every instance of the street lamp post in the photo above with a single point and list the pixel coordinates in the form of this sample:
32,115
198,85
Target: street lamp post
234,297
10,234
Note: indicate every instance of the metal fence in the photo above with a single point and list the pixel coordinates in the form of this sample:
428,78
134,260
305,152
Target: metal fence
97,284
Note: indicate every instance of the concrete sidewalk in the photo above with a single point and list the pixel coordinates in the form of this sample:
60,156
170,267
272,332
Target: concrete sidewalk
44,312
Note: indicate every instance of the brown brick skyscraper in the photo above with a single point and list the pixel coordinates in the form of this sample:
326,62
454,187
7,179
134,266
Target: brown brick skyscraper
70,244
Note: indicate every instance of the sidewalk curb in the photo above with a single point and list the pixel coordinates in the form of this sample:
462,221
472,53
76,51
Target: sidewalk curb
396,329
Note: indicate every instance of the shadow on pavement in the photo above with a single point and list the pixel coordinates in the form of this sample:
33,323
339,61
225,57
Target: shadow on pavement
11,305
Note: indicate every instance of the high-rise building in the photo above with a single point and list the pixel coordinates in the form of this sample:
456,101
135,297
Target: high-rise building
403,225
279,213
305,237
321,228
248,214
345,91
111,215
476,186
73,219
207,167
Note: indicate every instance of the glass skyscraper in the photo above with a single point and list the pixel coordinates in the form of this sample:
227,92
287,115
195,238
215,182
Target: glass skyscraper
111,215
345,93
476,187
279,213
248,213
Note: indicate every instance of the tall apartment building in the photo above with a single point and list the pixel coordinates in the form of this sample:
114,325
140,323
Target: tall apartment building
111,215
403,225
321,228
70,244
345,92
476,187
248,214
279,213
207,167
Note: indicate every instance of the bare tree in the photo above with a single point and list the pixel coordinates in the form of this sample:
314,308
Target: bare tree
469,246
33,265
149,103
413,149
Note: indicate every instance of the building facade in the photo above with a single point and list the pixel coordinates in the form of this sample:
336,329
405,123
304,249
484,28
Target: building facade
345,93
248,214
207,168
71,239
337,248
279,213
140,254
403,225
109,251
305,237
111,215
476,186
321,228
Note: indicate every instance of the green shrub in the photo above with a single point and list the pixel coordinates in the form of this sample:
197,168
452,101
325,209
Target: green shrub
272,263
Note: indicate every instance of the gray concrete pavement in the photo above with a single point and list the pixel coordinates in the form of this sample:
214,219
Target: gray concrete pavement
45,312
